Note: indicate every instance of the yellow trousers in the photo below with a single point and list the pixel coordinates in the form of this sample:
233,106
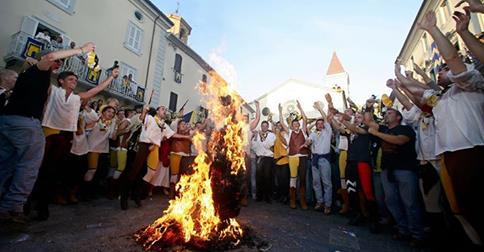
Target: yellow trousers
293,165
343,155
175,164
153,158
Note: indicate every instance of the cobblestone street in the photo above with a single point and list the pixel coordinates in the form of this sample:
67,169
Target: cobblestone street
101,226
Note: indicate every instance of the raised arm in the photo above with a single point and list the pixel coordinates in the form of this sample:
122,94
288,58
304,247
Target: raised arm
46,61
354,128
462,27
94,91
318,107
304,118
281,119
446,49
474,5
410,84
428,81
398,139
255,122
401,97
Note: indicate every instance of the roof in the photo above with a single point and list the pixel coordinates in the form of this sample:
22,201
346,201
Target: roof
189,51
335,66
159,12
413,32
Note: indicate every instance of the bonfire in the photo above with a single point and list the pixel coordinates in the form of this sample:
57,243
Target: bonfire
202,215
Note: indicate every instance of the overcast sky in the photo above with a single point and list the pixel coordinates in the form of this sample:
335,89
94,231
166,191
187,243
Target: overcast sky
257,45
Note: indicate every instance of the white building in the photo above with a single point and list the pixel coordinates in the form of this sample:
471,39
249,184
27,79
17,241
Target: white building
149,45
286,94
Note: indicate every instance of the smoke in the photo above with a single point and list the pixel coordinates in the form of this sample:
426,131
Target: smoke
223,67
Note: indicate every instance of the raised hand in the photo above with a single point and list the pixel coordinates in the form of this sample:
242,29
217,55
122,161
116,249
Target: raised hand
329,99
428,22
298,105
474,5
462,20
257,105
391,84
316,105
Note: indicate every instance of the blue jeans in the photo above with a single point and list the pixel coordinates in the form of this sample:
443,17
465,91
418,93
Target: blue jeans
402,200
253,185
22,144
322,172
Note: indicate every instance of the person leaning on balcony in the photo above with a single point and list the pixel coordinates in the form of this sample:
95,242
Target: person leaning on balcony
21,139
459,120
7,83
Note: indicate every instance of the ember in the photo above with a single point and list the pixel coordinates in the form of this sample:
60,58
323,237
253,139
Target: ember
202,215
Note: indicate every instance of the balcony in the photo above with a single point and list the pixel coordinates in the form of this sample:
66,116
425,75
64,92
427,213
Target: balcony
23,45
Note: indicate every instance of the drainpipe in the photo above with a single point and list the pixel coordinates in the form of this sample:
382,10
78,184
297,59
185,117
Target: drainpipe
151,50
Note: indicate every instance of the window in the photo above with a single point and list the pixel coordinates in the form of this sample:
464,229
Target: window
177,68
173,101
65,5
130,86
138,15
204,78
134,38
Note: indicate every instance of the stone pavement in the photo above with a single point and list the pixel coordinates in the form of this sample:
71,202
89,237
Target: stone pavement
101,226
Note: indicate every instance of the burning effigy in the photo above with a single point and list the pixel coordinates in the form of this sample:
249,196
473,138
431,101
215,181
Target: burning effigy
202,215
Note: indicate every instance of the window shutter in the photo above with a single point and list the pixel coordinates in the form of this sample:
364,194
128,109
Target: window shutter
29,25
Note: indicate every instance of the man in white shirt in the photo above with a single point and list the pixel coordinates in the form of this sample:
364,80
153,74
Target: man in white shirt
459,120
320,141
264,145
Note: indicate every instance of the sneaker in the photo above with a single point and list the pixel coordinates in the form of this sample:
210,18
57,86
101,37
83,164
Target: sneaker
400,237
327,210
416,243
318,207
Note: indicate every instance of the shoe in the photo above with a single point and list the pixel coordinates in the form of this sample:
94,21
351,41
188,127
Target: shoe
318,207
374,227
400,237
416,243
302,199
327,210
60,200
292,198
356,220
124,203
346,202
72,198
244,202
137,201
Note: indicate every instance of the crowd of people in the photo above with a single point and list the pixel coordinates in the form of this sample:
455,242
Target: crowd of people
419,168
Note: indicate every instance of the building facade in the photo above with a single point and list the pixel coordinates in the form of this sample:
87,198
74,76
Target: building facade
419,48
336,83
149,46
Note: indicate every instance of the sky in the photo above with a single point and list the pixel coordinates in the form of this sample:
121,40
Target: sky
257,45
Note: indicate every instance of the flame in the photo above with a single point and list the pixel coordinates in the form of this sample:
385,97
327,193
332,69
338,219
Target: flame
192,215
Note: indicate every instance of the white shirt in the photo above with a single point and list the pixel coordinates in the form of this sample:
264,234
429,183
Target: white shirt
98,138
263,148
61,114
459,113
79,142
151,133
425,125
321,144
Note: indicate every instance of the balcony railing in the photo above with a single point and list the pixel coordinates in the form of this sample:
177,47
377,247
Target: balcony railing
23,45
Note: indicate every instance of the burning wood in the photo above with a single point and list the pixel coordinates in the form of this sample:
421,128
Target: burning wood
202,216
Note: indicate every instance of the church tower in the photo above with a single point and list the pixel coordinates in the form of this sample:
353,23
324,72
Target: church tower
180,29
336,76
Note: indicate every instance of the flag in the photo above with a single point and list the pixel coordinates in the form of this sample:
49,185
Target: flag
436,58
